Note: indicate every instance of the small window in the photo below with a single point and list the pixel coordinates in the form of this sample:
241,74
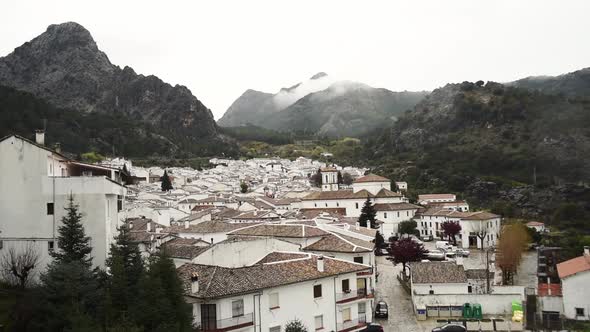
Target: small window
431,292
50,246
237,308
326,204
319,322
49,209
337,204
356,205
275,329
1,244
579,311
384,214
317,291
358,259
398,214
362,306
273,300
469,289
345,286
315,204
120,203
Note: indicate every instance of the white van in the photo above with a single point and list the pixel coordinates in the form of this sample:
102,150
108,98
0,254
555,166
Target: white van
443,245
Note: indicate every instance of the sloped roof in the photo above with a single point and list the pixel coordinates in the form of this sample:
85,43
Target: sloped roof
395,206
338,194
292,231
371,178
437,273
340,243
573,266
436,196
274,270
207,227
387,193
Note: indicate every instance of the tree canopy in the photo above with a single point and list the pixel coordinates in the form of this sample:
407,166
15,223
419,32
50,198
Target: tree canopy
368,215
166,183
451,229
406,250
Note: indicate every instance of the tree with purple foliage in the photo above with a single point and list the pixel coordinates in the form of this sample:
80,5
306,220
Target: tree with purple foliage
405,251
451,229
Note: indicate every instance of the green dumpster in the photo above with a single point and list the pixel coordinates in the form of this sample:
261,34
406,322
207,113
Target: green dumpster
467,312
516,306
477,314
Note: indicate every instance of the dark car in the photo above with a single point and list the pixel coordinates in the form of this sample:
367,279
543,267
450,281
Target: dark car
450,328
381,310
372,327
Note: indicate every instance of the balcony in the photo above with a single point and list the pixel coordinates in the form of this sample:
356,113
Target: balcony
353,295
352,325
228,324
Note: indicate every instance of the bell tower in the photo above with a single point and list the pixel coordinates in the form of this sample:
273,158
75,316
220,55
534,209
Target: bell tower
329,178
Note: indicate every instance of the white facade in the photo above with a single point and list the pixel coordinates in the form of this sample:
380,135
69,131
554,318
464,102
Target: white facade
576,296
329,180
35,184
471,230
373,187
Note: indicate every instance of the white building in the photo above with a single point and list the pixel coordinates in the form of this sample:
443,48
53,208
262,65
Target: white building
436,198
536,225
575,279
478,229
329,178
35,184
323,293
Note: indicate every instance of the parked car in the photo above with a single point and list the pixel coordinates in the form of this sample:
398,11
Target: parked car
450,328
381,310
373,327
462,252
427,238
435,255
450,255
444,245
381,252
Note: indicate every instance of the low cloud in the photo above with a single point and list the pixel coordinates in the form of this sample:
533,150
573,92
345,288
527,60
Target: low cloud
287,97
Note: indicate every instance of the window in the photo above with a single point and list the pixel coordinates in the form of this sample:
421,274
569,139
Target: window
273,300
50,246
356,205
317,291
362,308
120,203
469,289
431,292
1,244
237,308
275,329
49,209
345,286
326,204
384,214
319,322
337,204
358,259
407,213
579,311
346,315
398,214
315,204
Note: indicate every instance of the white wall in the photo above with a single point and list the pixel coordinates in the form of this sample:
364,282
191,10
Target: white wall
372,187
491,304
241,253
446,288
576,294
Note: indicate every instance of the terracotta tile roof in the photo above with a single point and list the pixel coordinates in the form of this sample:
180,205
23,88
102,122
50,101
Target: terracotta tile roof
395,207
256,215
293,231
197,215
216,281
179,250
313,213
340,243
535,223
371,178
281,256
207,227
478,274
224,212
387,193
188,201
338,194
573,266
437,273
544,289
328,169
478,215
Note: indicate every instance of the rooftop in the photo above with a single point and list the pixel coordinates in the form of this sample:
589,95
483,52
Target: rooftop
292,231
573,266
437,273
371,178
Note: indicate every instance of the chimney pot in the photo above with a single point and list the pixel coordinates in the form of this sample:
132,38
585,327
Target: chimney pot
320,263
186,224
586,250
40,136
148,226
194,282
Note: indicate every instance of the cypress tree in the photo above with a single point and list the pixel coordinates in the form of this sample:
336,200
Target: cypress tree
368,215
73,244
166,183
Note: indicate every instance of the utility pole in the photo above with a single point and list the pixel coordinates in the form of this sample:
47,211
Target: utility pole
487,270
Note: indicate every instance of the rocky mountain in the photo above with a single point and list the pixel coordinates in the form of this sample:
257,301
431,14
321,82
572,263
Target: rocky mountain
485,140
576,83
321,106
65,67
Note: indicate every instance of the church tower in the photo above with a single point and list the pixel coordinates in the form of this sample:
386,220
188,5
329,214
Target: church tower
329,178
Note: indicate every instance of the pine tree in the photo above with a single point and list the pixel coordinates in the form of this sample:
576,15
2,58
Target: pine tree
295,326
73,244
368,215
379,240
126,268
161,305
166,183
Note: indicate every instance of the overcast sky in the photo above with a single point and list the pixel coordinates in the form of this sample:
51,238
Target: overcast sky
221,48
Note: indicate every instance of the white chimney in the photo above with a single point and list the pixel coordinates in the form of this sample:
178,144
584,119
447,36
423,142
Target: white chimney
586,250
320,263
40,137
186,224
194,282
57,147
358,226
459,260
148,226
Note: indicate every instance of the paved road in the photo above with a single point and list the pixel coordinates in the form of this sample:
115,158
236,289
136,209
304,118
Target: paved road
401,314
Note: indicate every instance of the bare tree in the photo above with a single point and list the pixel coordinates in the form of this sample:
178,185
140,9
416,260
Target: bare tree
481,231
18,266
